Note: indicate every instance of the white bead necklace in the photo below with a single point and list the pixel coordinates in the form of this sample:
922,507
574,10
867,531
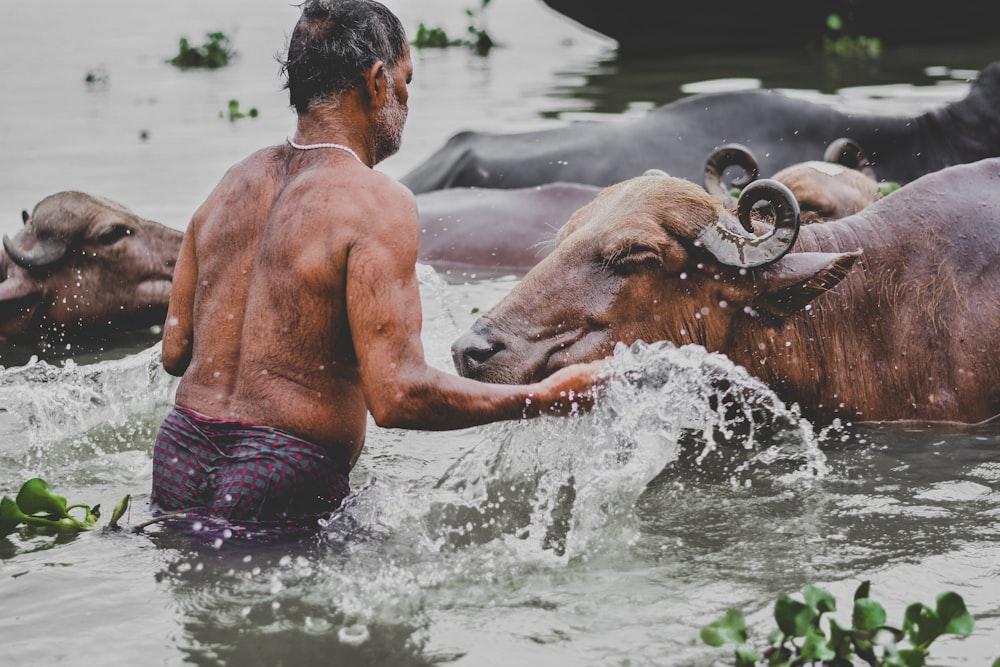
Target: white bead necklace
309,147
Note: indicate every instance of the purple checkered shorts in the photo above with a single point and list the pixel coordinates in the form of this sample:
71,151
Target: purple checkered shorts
242,473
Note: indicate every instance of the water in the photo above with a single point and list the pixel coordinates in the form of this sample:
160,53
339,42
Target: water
603,539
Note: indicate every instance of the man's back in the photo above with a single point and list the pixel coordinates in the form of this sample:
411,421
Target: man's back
272,342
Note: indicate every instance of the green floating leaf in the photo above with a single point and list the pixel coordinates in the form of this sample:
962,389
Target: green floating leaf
819,600
731,628
863,591
868,614
746,657
840,641
119,511
922,624
952,612
910,657
794,617
10,516
815,647
42,507
36,497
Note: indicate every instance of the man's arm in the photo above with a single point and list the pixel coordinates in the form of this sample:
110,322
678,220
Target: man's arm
178,329
401,390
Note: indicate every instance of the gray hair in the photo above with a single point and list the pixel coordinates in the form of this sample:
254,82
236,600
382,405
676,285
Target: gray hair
334,43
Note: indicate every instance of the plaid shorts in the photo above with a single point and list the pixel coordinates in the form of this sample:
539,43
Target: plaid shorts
242,474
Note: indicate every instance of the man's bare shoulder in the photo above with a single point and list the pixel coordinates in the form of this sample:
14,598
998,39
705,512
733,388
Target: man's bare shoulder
364,195
260,169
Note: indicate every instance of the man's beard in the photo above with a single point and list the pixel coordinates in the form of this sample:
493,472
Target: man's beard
389,127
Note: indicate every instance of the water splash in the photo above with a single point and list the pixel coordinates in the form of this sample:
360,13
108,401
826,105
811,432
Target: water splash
568,486
44,404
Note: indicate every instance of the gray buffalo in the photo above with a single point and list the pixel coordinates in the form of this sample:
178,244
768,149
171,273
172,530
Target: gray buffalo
83,267
678,136
494,231
890,314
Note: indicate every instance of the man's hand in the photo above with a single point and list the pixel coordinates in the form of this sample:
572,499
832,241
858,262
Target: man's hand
567,391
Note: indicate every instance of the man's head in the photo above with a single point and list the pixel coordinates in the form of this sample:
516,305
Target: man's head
334,44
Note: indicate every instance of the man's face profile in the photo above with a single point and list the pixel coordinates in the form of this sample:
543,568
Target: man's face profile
391,118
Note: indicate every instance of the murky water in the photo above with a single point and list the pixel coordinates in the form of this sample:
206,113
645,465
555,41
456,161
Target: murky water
604,539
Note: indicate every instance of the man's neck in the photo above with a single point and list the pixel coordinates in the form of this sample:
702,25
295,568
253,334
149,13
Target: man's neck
324,124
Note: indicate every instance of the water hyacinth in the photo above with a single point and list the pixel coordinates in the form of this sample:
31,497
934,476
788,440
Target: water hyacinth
38,506
802,639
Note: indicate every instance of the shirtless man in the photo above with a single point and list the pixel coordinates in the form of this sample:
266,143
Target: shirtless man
295,308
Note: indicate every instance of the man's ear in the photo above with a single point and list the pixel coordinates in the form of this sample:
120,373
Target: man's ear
376,83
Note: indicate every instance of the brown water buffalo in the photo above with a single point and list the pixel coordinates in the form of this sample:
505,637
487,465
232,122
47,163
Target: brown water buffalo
678,136
841,184
83,267
890,314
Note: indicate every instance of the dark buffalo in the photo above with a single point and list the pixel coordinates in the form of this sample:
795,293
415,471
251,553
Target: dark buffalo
83,267
678,136
890,314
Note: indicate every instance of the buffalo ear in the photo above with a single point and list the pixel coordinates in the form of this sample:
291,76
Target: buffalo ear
24,215
16,286
786,286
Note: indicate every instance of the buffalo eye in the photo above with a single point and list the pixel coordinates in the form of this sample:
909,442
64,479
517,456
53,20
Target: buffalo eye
113,234
636,258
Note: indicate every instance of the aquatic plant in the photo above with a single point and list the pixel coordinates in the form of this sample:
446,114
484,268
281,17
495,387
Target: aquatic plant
433,38
38,506
888,187
847,46
479,39
214,53
801,639
235,113
97,76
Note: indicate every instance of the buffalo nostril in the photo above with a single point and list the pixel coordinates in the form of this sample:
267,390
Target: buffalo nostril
471,350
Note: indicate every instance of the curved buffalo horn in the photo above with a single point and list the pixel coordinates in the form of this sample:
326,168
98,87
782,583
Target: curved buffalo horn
847,153
749,251
729,155
44,254
24,215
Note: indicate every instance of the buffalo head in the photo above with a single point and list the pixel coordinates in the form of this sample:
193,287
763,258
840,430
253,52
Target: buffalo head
83,267
652,258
